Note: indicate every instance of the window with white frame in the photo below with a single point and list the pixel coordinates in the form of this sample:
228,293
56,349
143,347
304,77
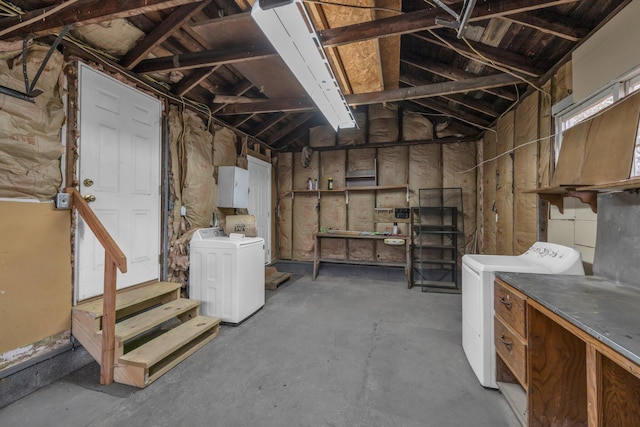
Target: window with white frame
567,114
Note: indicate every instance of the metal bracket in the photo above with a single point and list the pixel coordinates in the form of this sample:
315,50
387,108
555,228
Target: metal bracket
461,21
30,92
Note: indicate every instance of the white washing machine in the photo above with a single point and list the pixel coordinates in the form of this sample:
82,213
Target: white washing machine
226,274
477,296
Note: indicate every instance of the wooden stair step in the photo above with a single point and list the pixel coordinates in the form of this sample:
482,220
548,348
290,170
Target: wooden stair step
140,367
145,321
133,297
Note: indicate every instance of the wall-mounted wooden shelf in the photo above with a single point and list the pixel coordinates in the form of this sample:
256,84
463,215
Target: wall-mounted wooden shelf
556,195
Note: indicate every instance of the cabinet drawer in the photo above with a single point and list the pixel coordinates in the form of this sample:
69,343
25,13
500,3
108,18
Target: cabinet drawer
512,350
510,306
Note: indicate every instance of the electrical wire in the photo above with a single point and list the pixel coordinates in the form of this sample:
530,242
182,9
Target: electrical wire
507,152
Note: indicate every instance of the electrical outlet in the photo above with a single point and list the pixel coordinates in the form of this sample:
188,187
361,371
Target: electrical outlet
62,201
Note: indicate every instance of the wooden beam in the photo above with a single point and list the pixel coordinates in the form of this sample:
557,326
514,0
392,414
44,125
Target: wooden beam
289,127
565,30
402,24
290,105
431,90
453,113
452,73
205,58
167,27
194,79
412,22
268,124
82,13
403,94
487,55
479,105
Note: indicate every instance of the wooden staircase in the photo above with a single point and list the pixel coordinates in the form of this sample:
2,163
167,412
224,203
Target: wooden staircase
155,330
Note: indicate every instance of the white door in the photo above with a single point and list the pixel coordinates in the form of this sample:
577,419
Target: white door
119,164
260,201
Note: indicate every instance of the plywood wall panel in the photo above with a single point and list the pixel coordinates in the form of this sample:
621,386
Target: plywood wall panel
285,205
425,169
525,174
504,185
35,273
545,146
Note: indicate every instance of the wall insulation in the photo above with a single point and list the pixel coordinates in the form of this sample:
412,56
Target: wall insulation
30,145
383,123
355,136
504,185
333,209
285,205
489,200
525,174
306,207
416,127
322,136
425,169
458,166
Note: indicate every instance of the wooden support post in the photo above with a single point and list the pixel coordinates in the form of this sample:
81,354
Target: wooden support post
108,321
594,386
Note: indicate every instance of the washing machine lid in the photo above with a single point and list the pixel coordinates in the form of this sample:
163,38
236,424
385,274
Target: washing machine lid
225,242
510,263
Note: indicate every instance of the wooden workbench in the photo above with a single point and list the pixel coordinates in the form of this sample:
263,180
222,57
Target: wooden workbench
357,235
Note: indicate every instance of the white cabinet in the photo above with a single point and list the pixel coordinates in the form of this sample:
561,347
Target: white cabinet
233,187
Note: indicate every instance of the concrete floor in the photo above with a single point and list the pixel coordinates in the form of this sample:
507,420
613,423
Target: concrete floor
341,351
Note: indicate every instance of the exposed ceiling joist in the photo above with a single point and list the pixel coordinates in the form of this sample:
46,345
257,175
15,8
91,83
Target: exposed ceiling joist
426,19
192,80
82,13
290,128
453,113
490,56
268,124
162,32
403,94
478,105
205,58
451,73
565,30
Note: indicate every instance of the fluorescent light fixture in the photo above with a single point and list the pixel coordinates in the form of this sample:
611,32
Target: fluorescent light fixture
287,26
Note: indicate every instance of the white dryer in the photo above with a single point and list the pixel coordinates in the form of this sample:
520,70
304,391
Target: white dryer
477,296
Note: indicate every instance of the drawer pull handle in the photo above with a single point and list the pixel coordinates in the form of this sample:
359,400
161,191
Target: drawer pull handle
507,344
505,302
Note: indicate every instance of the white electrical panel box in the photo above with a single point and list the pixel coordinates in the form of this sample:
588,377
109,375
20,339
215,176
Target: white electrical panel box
233,187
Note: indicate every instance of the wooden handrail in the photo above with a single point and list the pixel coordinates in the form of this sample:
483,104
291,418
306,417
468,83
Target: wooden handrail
113,258
98,229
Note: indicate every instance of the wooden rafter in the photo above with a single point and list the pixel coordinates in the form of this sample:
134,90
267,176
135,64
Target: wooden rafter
240,89
426,19
402,24
82,13
289,127
452,73
478,105
490,56
194,79
162,32
403,94
205,58
453,113
268,124
555,27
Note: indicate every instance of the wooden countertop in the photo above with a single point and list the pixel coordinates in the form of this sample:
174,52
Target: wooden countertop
608,311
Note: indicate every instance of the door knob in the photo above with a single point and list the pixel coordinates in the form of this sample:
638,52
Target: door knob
88,182
90,198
